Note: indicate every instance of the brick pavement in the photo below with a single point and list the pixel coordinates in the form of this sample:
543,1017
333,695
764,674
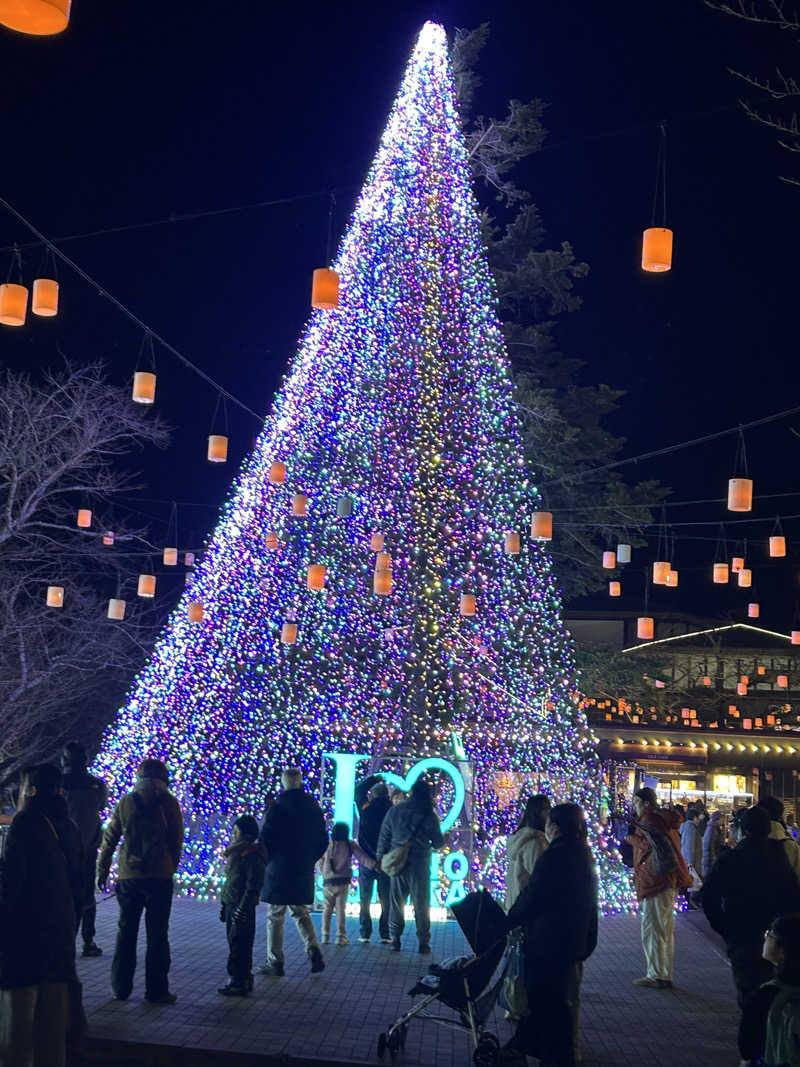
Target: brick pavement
336,1017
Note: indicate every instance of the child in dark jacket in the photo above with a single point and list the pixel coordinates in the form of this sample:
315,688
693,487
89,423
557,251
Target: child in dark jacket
337,874
244,878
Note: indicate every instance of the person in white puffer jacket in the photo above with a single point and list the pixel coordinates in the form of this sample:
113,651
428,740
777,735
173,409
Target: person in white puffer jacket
526,845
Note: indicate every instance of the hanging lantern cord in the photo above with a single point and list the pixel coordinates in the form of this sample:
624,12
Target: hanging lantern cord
661,176
146,349
16,261
331,209
220,401
741,455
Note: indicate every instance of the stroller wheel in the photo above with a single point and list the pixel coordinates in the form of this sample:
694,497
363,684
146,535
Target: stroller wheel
485,1055
395,1042
403,1035
381,1046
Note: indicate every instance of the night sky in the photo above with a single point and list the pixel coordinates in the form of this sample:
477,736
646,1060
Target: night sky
143,110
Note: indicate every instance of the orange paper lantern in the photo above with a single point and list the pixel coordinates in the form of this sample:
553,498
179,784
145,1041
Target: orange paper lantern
644,628
661,569
217,448
325,289
108,537
741,689
672,579
188,559
511,543
467,604
614,589
782,681
315,578
84,518
277,472
170,557
195,611
609,561
706,679
55,596
37,17
116,609
777,546
376,542
796,637
299,505
45,297
542,526
289,633
271,541
13,302
383,562
740,494
144,387
720,573
745,578
737,564
747,724
657,249
753,611
147,585
382,583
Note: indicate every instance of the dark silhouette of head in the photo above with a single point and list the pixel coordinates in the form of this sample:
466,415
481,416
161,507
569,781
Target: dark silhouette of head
422,794
74,757
247,827
340,831
570,820
535,814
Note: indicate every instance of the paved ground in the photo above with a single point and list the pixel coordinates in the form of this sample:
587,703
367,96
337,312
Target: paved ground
336,1017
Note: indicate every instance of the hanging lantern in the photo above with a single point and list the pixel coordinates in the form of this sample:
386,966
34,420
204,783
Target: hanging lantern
315,578
747,724
108,537
170,557
13,298
195,611
55,596
277,472
740,494
609,561
782,681
737,564
188,559
383,562
84,518
796,637
777,546
644,628
761,670
344,507
720,573
45,297
288,633
271,541
376,542
706,679
511,543
745,578
657,249
542,526
623,553
37,17
744,678
661,569
753,611
144,387
325,289
299,505
467,604
116,609
382,583
614,589
147,585
217,448
741,689
672,579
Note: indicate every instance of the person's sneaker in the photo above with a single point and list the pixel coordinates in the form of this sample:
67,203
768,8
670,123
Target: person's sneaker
317,962
363,940
92,950
326,939
386,940
272,970
231,990
342,939
119,996
394,944
648,983
424,950
165,998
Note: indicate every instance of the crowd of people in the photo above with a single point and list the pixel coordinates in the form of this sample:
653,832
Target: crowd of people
56,851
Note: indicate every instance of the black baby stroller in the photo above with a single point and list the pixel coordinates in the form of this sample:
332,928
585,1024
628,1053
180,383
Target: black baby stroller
469,985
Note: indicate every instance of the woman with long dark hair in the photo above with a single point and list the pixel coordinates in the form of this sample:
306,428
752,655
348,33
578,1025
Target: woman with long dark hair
526,845
557,910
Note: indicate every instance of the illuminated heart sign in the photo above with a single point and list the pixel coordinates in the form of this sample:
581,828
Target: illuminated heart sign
344,796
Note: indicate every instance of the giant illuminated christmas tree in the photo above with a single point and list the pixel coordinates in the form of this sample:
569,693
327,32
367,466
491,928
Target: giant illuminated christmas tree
398,431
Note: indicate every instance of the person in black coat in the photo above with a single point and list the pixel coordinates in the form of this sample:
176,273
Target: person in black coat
295,838
86,797
748,887
40,881
372,801
244,880
557,910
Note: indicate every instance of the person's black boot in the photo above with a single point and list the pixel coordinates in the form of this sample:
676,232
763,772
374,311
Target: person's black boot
231,990
317,962
91,949
394,944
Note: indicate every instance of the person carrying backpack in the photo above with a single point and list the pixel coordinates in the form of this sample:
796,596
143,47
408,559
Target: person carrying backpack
659,871
769,1030
150,823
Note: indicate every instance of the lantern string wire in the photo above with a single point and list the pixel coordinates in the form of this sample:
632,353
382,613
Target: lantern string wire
127,312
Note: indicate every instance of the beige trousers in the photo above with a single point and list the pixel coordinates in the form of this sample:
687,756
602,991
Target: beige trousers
33,1025
275,924
658,934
